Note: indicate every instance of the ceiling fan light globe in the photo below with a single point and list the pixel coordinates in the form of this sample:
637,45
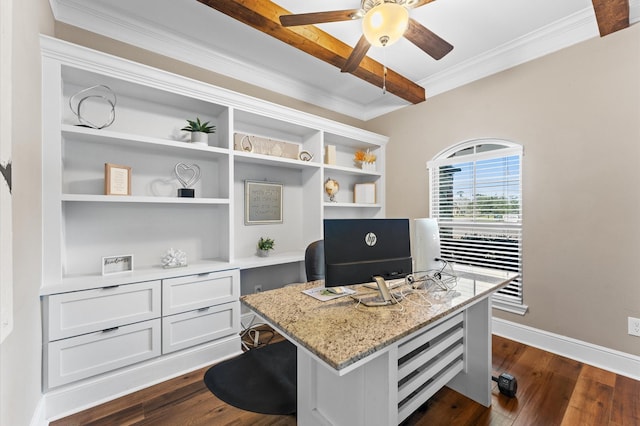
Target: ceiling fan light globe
385,24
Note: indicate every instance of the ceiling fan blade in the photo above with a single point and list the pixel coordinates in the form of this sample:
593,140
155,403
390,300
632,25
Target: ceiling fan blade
319,17
357,55
426,40
263,16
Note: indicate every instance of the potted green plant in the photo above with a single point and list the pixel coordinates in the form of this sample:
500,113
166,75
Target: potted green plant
199,131
264,245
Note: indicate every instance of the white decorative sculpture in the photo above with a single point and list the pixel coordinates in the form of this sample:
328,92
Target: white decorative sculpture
187,174
174,259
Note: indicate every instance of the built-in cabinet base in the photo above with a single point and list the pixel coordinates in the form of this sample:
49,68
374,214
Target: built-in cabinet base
90,392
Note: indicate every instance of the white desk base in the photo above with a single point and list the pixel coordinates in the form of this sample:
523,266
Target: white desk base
368,392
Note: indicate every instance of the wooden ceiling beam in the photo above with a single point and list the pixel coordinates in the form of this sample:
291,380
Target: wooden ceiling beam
612,15
264,16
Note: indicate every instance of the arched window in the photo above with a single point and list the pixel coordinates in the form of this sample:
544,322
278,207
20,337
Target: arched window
476,196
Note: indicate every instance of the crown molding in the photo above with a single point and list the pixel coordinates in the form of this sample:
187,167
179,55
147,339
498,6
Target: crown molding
559,35
143,34
634,11
159,40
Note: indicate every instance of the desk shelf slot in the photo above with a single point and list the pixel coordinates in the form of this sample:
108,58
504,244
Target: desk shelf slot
427,362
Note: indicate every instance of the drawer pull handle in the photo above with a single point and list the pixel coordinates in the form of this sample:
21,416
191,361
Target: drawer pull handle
110,287
203,309
110,329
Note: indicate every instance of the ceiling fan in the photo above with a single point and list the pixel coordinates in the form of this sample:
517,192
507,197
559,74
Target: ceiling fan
383,23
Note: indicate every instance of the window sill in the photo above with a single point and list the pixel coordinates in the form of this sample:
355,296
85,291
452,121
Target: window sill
510,307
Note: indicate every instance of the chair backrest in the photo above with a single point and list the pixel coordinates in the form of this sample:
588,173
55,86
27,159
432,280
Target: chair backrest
314,261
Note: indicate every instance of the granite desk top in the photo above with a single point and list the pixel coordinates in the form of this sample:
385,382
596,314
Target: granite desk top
342,332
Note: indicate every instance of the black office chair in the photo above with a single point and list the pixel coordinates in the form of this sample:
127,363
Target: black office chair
264,380
314,261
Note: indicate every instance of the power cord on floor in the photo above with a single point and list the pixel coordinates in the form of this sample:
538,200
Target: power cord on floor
250,335
507,384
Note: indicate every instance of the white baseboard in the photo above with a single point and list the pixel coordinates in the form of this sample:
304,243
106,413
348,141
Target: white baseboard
39,417
588,353
88,393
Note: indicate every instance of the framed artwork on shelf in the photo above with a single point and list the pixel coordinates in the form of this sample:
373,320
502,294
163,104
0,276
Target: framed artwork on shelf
262,202
364,193
117,179
265,146
117,264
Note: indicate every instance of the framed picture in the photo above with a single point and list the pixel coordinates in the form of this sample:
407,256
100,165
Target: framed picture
262,202
364,193
117,179
265,146
117,264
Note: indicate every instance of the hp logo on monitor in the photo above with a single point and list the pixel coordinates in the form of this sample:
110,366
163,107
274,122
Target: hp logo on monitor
370,239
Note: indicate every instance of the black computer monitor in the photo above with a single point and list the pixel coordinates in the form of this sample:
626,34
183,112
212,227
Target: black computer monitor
356,250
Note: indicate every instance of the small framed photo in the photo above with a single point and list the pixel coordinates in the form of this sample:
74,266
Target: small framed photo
364,193
262,202
117,264
117,179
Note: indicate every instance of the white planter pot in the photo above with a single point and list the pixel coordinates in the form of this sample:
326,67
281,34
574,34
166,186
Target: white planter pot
370,167
200,138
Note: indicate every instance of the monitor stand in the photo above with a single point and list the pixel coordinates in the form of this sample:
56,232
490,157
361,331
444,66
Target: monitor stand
387,299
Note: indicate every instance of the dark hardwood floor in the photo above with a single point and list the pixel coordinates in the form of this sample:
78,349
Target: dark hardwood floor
552,390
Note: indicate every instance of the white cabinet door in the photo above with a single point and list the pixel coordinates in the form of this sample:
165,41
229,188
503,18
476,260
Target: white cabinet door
188,329
80,312
84,356
199,291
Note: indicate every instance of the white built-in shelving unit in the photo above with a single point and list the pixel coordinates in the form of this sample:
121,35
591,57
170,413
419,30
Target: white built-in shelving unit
81,224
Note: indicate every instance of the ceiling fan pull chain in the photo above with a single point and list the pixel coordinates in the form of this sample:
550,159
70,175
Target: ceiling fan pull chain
384,80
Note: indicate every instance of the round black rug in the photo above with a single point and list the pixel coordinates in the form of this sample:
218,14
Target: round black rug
261,380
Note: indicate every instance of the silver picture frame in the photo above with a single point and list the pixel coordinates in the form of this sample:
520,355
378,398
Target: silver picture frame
262,202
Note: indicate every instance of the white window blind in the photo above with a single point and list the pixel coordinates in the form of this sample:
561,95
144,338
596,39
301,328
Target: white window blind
476,196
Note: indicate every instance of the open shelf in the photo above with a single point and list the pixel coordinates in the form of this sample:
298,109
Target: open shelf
352,205
127,140
251,158
350,171
273,259
140,199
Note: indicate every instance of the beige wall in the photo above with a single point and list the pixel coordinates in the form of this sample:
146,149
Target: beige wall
577,114
20,353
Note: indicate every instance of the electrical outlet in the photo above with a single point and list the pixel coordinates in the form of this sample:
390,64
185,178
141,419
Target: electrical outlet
258,289
634,326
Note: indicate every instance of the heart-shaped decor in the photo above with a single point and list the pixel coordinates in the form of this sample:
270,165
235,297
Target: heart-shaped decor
162,187
187,174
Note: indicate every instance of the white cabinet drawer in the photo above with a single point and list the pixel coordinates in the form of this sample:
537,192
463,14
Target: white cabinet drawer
84,356
199,291
80,312
181,331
